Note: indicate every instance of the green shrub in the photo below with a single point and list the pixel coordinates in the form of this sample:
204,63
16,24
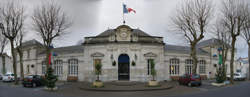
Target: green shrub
50,78
220,75
98,70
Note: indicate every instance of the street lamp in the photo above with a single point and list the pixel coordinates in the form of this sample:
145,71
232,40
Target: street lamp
1,26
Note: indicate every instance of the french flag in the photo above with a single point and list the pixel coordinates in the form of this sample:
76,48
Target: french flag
127,10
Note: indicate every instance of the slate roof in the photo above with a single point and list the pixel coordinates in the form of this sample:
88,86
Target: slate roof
69,49
134,31
143,37
31,42
66,50
209,42
183,49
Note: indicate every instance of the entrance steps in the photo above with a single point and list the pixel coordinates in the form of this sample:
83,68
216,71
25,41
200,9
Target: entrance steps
124,83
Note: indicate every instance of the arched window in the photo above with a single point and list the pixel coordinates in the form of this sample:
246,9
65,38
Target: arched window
188,66
174,68
202,66
58,67
73,67
43,67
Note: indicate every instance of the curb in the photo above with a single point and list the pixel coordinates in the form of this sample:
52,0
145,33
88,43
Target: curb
124,90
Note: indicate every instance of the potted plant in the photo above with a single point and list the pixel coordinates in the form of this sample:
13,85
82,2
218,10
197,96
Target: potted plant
98,70
153,82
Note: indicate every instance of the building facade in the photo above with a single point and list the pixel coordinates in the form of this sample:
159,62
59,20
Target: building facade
125,54
8,67
243,66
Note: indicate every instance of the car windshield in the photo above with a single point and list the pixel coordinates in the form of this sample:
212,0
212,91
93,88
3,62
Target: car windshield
29,77
236,74
195,76
6,74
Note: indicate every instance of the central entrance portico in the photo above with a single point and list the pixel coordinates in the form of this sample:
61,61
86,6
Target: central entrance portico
123,67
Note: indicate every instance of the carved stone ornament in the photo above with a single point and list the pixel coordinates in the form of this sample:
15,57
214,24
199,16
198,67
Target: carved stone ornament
97,54
150,54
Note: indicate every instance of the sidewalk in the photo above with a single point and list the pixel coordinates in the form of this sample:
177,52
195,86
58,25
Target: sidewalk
119,86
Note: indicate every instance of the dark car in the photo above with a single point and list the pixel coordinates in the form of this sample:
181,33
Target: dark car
190,80
33,81
1,77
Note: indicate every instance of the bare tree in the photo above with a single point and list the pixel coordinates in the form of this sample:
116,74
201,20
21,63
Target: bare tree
192,21
12,20
224,39
19,50
233,17
246,35
50,22
3,43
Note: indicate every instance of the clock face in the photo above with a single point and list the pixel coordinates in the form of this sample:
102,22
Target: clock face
123,32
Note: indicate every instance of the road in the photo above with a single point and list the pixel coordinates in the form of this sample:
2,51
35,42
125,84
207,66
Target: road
239,90
18,91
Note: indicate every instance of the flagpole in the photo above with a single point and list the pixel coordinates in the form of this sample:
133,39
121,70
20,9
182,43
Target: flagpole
123,14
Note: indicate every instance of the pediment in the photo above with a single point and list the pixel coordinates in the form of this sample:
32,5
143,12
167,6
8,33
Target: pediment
97,54
150,54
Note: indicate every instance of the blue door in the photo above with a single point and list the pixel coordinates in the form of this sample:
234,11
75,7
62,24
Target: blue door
123,67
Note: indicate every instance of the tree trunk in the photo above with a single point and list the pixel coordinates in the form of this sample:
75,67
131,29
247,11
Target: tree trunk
47,57
224,59
232,60
98,77
194,58
249,61
21,62
4,68
14,61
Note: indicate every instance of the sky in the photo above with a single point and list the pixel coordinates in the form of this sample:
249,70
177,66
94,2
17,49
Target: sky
92,17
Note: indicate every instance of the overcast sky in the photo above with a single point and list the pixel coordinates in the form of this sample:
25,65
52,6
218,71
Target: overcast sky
92,17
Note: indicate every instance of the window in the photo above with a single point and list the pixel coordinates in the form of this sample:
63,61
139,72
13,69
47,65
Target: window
149,61
58,67
28,54
73,67
174,66
28,69
43,67
188,69
188,66
202,67
189,61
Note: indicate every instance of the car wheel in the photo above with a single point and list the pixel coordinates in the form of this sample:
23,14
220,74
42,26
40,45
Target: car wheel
24,85
33,84
189,84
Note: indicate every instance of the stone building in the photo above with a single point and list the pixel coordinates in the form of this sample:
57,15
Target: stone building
243,66
125,54
8,68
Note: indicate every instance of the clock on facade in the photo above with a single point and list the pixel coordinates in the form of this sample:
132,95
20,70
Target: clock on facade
123,33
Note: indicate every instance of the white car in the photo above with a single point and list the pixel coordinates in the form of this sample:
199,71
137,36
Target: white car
237,76
8,77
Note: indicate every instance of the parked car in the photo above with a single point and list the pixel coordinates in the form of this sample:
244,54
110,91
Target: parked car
33,81
1,77
190,80
237,76
9,77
